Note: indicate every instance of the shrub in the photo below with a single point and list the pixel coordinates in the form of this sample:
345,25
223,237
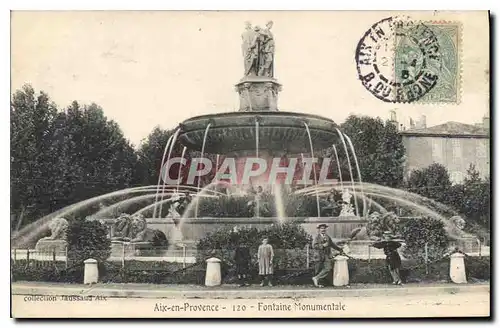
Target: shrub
288,241
54,272
420,231
478,268
87,239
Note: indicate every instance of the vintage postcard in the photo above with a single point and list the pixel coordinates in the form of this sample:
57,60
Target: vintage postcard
233,164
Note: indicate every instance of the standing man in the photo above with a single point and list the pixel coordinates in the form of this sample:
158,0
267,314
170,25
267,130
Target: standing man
266,64
325,251
250,49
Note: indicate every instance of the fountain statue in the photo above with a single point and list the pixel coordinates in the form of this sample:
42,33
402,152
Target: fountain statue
131,232
57,239
173,210
122,228
347,209
258,50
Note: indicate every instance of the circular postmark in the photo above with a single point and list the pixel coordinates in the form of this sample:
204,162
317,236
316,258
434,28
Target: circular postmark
398,60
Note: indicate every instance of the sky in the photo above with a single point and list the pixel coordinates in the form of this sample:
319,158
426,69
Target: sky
160,68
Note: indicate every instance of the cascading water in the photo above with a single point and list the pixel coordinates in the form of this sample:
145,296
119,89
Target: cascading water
257,156
174,139
122,204
338,166
358,171
400,197
32,231
180,171
341,135
278,203
201,156
314,167
161,175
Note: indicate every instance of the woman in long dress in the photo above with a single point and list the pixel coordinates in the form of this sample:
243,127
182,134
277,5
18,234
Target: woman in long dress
265,257
393,261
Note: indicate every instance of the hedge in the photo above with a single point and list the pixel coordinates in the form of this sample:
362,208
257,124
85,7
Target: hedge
360,272
288,241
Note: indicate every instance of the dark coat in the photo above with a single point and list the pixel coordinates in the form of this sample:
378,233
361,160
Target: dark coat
392,259
321,253
242,260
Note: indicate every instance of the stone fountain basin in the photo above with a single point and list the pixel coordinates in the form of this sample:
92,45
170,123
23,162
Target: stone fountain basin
279,132
193,229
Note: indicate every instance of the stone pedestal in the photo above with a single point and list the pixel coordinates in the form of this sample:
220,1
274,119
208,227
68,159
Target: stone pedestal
91,272
258,93
213,274
457,268
51,245
340,271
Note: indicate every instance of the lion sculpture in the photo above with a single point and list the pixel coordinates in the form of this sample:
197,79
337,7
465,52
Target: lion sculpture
58,227
57,239
135,229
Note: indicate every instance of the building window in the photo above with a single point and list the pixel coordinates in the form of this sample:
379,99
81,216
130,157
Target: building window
437,150
456,149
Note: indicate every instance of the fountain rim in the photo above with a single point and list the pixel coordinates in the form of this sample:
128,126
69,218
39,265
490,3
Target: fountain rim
252,121
257,114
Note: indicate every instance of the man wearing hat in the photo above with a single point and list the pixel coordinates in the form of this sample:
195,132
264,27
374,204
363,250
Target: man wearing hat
323,256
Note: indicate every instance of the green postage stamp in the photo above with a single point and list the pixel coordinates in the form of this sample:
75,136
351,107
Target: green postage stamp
401,60
409,60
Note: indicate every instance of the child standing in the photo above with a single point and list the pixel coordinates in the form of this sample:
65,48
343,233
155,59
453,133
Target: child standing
265,257
242,259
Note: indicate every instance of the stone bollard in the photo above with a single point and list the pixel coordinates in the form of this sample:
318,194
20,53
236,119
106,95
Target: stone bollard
457,268
213,275
91,273
340,271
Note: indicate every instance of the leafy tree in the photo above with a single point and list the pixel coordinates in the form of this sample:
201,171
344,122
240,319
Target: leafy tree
379,149
431,182
62,157
472,198
33,155
95,157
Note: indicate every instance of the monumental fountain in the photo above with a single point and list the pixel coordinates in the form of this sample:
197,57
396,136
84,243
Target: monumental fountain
258,130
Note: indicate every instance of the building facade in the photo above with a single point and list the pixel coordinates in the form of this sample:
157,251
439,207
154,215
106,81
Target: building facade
454,145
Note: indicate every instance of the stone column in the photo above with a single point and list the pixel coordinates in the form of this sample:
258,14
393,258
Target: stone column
457,268
213,274
340,271
91,272
258,93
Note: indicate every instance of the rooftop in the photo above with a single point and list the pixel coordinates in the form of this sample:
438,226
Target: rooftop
450,129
